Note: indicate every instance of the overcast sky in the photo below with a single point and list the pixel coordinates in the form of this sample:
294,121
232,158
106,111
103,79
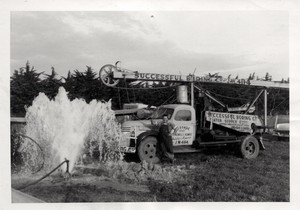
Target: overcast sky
236,43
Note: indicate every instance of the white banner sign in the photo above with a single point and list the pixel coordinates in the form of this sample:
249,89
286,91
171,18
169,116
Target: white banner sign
190,78
238,122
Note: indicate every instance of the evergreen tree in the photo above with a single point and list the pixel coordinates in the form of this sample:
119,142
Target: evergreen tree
85,85
75,83
24,87
68,84
50,84
268,77
250,77
90,87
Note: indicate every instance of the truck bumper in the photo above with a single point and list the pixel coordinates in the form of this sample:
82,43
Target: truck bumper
125,149
128,144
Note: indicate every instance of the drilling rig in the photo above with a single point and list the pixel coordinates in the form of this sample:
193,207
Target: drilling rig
196,128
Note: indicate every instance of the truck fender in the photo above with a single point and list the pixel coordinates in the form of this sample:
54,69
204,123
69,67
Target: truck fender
142,136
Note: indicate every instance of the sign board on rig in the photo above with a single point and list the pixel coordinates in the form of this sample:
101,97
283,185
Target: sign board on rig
238,122
193,78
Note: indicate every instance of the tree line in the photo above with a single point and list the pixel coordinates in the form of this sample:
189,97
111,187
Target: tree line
26,83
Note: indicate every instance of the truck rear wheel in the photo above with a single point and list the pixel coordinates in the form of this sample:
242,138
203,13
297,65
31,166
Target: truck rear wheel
147,150
249,147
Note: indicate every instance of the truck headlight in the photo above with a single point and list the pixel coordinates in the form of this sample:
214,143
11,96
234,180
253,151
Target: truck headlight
132,133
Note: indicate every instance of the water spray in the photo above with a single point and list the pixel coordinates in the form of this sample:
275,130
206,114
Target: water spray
39,146
63,127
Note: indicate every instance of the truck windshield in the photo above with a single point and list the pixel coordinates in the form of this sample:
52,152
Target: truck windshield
160,112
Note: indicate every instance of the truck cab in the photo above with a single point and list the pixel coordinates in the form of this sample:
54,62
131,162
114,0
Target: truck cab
184,119
213,128
181,115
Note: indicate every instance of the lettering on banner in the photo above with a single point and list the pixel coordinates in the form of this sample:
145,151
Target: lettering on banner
239,122
189,78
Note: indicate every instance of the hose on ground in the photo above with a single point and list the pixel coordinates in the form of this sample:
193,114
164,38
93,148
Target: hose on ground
48,174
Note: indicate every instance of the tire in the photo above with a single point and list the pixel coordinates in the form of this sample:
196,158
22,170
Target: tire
249,147
147,150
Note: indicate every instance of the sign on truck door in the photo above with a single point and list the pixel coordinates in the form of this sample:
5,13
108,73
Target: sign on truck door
185,126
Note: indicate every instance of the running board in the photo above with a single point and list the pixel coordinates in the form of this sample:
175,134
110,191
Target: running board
185,149
218,142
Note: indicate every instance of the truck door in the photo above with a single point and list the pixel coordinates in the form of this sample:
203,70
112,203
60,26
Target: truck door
184,120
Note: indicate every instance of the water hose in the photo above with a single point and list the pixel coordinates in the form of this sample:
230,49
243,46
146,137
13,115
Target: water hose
48,174
43,155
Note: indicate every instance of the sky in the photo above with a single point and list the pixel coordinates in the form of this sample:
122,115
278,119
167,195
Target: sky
176,42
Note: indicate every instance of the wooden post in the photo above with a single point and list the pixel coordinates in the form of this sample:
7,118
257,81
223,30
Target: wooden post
276,121
266,107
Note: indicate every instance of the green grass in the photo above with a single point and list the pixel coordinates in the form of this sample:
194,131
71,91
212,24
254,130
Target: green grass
220,175
213,175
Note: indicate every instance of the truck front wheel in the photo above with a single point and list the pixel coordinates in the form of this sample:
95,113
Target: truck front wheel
147,150
249,147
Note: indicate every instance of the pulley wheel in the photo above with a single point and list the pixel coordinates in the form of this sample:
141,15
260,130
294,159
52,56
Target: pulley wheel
106,75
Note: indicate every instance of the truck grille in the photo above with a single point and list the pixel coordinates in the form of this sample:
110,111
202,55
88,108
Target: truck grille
125,129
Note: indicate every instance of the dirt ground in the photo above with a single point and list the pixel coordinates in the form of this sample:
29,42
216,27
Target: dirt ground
217,174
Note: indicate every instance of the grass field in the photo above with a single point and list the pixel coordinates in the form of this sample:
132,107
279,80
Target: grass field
213,175
219,175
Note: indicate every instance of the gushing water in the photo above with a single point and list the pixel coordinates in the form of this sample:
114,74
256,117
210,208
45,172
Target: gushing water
64,128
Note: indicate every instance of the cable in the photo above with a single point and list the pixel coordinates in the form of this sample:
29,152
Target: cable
278,105
168,100
173,100
233,88
222,96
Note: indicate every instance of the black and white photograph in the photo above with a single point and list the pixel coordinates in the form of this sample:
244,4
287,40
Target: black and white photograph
149,106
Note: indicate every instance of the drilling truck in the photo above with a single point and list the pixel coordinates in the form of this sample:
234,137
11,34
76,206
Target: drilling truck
197,126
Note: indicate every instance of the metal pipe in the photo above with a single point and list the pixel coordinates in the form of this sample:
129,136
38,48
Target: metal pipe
253,102
192,94
48,174
211,97
67,161
215,100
